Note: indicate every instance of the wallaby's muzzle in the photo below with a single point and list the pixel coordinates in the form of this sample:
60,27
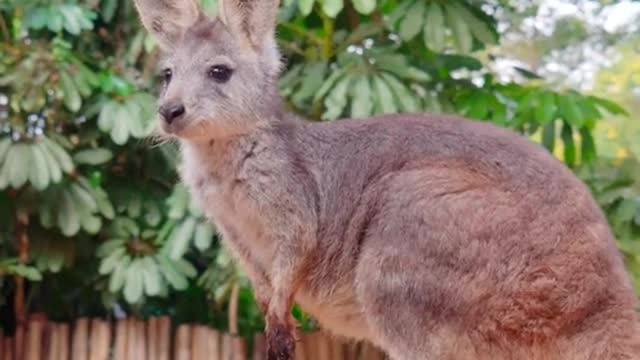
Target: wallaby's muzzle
171,112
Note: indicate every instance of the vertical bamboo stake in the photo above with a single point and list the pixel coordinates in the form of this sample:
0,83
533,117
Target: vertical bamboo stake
79,347
152,338
53,347
323,346
142,340
227,347
100,340
7,346
20,310
164,342
183,343
351,352
33,342
213,343
371,352
199,342
132,339
301,352
1,344
120,346
239,347
63,341
260,348
308,347
337,349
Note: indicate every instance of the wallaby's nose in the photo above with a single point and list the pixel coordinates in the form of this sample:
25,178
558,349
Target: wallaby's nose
171,112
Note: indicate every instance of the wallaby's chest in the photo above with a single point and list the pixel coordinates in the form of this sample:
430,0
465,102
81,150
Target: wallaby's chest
225,195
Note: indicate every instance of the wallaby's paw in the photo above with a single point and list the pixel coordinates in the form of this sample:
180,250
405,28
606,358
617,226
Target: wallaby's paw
280,343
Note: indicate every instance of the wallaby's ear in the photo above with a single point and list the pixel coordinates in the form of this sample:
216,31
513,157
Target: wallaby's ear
167,20
254,20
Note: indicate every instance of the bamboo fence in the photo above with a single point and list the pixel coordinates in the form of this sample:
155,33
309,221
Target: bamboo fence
156,339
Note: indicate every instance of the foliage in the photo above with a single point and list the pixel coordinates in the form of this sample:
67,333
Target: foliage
108,222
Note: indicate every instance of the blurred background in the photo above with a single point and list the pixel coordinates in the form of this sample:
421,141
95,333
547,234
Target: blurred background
94,221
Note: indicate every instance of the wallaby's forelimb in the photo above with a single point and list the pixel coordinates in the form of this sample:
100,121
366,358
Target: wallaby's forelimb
289,269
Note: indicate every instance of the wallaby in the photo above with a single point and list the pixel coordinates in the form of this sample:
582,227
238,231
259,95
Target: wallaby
431,236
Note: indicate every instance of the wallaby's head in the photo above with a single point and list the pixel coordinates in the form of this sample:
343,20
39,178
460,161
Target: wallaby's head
219,75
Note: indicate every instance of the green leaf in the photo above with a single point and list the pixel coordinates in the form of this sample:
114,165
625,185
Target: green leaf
626,210
151,277
337,99
180,238
412,22
312,79
91,223
478,105
365,7
185,268
84,202
109,263
104,205
68,218
108,9
479,28
108,115
361,104
36,18
570,111
609,106
108,247
203,236
549,136
61,156
405,98
434,28
152,214
125,227
332,7
588,147
305,6
38,169
384,97
17,159
134,206
120,129
178,202
546,109
569,145
5,144
72,99
29,272
71,22
133,290
168,270
461,32
118,276
416,74
54,170
54,19
93,156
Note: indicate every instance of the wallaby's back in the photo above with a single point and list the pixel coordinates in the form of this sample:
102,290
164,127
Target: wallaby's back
461,228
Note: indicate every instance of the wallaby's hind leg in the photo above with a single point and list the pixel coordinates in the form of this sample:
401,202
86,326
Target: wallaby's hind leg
399,318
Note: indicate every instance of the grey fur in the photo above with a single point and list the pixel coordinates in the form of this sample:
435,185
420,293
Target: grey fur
432,236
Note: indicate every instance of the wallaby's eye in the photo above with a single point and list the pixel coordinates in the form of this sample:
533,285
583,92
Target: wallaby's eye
166,76
220,73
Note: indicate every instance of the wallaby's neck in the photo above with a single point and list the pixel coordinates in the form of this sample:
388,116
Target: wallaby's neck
222,155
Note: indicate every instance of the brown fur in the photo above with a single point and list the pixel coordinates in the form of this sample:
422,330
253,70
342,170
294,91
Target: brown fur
431,236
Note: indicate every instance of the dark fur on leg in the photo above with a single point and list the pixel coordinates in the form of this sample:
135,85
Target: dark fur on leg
280,343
